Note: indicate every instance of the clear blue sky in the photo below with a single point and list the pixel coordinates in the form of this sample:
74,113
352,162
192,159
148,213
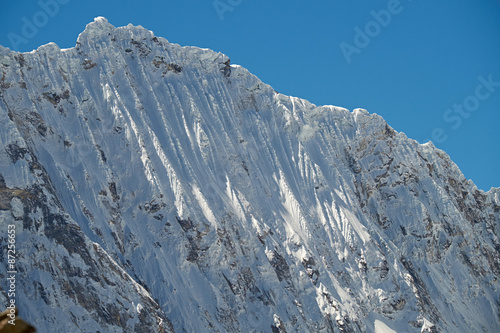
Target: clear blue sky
423,68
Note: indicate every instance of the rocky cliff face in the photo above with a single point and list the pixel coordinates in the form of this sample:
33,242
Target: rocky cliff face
157,188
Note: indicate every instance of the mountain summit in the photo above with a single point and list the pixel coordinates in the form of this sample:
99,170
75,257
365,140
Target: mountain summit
159,188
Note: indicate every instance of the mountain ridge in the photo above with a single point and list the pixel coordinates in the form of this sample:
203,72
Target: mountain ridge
231,205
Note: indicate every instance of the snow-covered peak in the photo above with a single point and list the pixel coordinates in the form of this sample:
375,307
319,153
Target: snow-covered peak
156,187
95,30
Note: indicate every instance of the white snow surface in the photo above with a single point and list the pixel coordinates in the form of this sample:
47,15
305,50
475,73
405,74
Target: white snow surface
157,184
380,327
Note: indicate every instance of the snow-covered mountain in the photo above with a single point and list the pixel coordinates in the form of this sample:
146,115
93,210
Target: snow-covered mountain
158,188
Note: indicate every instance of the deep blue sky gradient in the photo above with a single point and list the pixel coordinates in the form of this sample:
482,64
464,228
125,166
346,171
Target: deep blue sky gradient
426,59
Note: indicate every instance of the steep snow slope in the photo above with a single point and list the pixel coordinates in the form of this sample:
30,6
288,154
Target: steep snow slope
158,187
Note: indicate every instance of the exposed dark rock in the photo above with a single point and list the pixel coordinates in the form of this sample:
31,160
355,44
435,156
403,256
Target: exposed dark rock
226,70
280,267
55,98
15,152
114,193
142,48
278,326
88,64
309,265
425,300
160,63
